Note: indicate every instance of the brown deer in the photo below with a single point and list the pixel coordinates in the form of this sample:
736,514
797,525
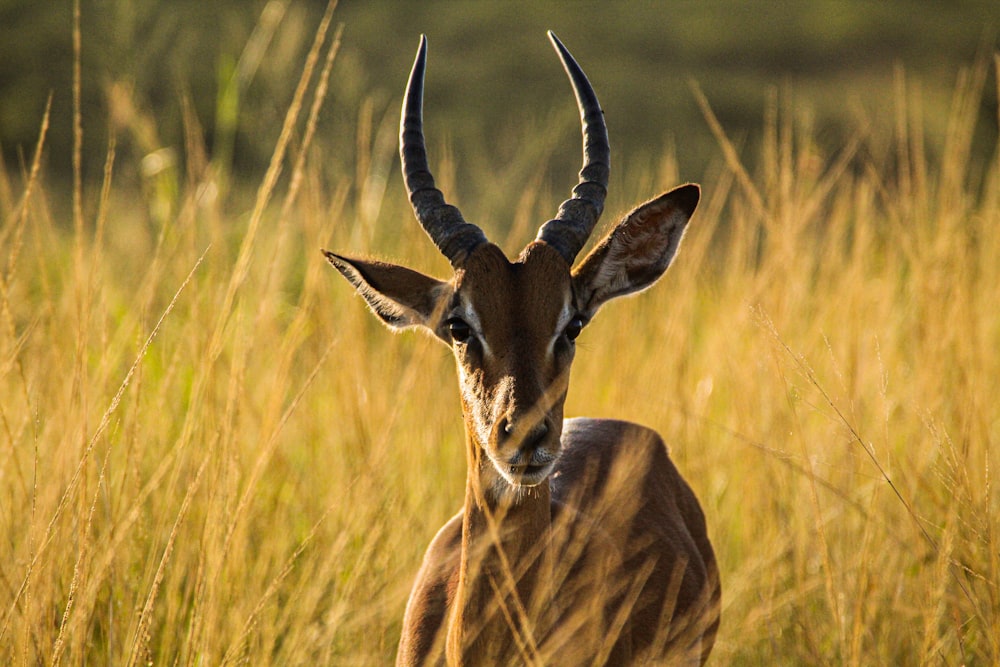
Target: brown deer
579,541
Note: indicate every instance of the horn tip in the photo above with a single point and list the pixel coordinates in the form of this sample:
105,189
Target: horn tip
556,42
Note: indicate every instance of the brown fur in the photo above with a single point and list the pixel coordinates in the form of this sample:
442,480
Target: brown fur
640,499
579,542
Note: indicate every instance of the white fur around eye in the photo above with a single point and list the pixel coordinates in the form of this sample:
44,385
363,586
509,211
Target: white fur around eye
469,315
567,313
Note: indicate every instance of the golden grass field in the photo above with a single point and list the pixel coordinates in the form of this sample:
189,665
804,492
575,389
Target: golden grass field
212,453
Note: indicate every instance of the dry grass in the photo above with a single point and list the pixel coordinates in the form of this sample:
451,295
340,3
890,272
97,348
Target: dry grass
212,453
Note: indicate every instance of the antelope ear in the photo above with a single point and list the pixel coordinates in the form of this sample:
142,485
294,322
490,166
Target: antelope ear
636,252
401,297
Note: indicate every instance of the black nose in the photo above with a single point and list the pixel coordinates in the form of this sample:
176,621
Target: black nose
508,431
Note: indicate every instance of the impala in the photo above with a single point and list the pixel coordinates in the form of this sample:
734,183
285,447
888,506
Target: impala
579,542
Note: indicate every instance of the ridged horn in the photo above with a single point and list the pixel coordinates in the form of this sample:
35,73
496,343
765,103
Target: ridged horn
453,236
569,230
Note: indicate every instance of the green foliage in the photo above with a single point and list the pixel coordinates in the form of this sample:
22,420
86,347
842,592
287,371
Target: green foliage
491,72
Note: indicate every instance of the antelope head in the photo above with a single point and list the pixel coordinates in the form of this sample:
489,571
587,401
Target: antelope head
512,326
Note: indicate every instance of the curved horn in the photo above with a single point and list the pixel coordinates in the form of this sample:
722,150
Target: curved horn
577,216
443,223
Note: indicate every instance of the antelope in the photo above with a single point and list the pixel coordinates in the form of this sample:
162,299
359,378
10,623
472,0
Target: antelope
579,542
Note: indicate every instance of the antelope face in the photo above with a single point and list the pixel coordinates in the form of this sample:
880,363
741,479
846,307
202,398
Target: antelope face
512,328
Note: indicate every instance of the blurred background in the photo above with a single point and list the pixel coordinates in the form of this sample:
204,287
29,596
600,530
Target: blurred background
493,78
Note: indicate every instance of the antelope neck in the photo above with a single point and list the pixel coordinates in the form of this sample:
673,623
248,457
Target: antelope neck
504,536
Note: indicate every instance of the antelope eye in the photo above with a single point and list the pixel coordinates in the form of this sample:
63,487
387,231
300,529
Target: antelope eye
574,328
460,331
